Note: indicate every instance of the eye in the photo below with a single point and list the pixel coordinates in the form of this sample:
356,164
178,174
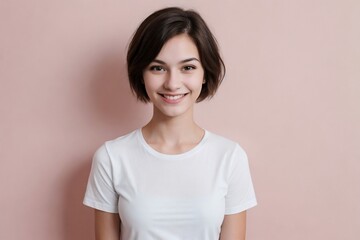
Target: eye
157,68
189,68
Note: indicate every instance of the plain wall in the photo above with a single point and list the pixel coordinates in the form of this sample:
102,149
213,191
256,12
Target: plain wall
290,97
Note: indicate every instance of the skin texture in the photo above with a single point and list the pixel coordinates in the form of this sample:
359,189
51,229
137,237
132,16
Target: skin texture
107,226
176,72
234,227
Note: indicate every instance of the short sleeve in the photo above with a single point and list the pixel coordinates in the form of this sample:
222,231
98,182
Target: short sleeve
100,193
241,194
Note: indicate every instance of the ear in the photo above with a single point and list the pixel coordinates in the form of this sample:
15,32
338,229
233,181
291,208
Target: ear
204,81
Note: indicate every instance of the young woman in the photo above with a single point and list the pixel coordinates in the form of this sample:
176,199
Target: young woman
171,179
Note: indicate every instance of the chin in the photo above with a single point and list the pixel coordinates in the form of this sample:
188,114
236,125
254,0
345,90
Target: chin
171,113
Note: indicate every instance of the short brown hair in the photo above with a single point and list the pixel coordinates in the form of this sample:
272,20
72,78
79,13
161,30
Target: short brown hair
156,30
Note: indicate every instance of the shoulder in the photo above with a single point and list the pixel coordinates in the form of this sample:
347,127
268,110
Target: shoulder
115,146
123,141
224,144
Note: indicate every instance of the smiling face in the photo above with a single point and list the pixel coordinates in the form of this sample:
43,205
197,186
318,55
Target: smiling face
173,80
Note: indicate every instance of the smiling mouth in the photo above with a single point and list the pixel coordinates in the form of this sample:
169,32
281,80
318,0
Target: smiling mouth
173,97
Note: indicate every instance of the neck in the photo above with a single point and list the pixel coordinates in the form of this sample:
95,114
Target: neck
172,130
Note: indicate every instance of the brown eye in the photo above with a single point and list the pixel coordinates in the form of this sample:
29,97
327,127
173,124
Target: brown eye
157,68
189,68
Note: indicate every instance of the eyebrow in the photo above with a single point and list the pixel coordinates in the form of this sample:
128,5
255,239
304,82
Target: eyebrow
182,61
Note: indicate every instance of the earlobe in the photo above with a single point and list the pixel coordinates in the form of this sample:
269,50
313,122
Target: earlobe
204,81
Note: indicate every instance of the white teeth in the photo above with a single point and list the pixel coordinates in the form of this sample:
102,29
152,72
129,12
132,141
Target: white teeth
174,97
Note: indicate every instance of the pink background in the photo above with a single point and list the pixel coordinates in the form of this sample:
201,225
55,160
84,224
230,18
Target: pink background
291,98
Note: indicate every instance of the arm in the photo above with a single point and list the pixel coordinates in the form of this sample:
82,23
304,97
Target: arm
234,227
107,225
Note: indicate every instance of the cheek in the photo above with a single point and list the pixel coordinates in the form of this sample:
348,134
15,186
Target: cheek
150,83
152,86
149,88
196,82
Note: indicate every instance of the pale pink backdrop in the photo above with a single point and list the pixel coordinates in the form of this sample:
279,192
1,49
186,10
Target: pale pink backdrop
291,98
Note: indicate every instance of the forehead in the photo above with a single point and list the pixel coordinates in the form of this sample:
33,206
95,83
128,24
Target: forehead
178,48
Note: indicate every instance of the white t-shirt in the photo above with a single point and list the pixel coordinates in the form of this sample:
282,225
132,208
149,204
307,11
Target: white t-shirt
177,197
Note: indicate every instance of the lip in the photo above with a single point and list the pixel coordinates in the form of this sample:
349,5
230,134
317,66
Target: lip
173,98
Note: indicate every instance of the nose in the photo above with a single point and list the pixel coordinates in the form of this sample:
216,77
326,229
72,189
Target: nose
172,81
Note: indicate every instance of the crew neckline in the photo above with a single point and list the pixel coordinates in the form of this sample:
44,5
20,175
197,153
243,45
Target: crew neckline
161,155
